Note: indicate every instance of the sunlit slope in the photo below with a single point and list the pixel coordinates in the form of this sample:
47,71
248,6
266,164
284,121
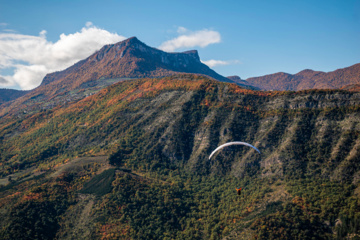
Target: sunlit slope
132,162
308,79
177,121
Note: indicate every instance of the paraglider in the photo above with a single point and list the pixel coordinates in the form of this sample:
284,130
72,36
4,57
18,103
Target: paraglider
232,143
238,191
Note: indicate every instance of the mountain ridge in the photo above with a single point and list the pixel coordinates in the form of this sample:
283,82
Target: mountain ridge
137,152
132,58
308,79
7,95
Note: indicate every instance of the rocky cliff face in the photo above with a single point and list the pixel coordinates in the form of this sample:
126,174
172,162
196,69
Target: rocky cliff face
314,100
181,119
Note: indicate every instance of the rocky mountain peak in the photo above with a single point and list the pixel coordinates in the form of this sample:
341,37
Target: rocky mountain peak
130,58
132,40
134,48
193,53
308,73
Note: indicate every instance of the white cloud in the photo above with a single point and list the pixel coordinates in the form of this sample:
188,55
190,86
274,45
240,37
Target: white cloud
34,56
182,30
9,30
43,34
189,39
213,63
89,24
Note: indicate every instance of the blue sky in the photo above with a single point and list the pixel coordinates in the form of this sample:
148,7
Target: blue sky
249,38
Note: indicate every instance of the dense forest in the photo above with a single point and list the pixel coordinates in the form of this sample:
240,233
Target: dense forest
131,162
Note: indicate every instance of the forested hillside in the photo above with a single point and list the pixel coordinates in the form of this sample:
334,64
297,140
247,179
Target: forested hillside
131,162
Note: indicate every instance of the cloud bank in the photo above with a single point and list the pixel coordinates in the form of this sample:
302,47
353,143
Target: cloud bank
32,57
188,39
213,63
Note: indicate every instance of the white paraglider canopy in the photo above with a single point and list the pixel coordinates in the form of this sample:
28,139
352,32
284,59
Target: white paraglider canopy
232,143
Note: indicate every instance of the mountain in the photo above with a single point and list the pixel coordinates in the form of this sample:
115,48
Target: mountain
113,63
131,59
235,78
7,95
308,79
242,82
131,162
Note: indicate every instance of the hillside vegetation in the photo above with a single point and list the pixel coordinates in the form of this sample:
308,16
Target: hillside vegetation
157,181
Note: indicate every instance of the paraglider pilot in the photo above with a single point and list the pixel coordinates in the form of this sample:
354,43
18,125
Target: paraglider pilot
229,144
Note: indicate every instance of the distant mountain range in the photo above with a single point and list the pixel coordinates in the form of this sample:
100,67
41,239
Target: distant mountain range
308,79
7,95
